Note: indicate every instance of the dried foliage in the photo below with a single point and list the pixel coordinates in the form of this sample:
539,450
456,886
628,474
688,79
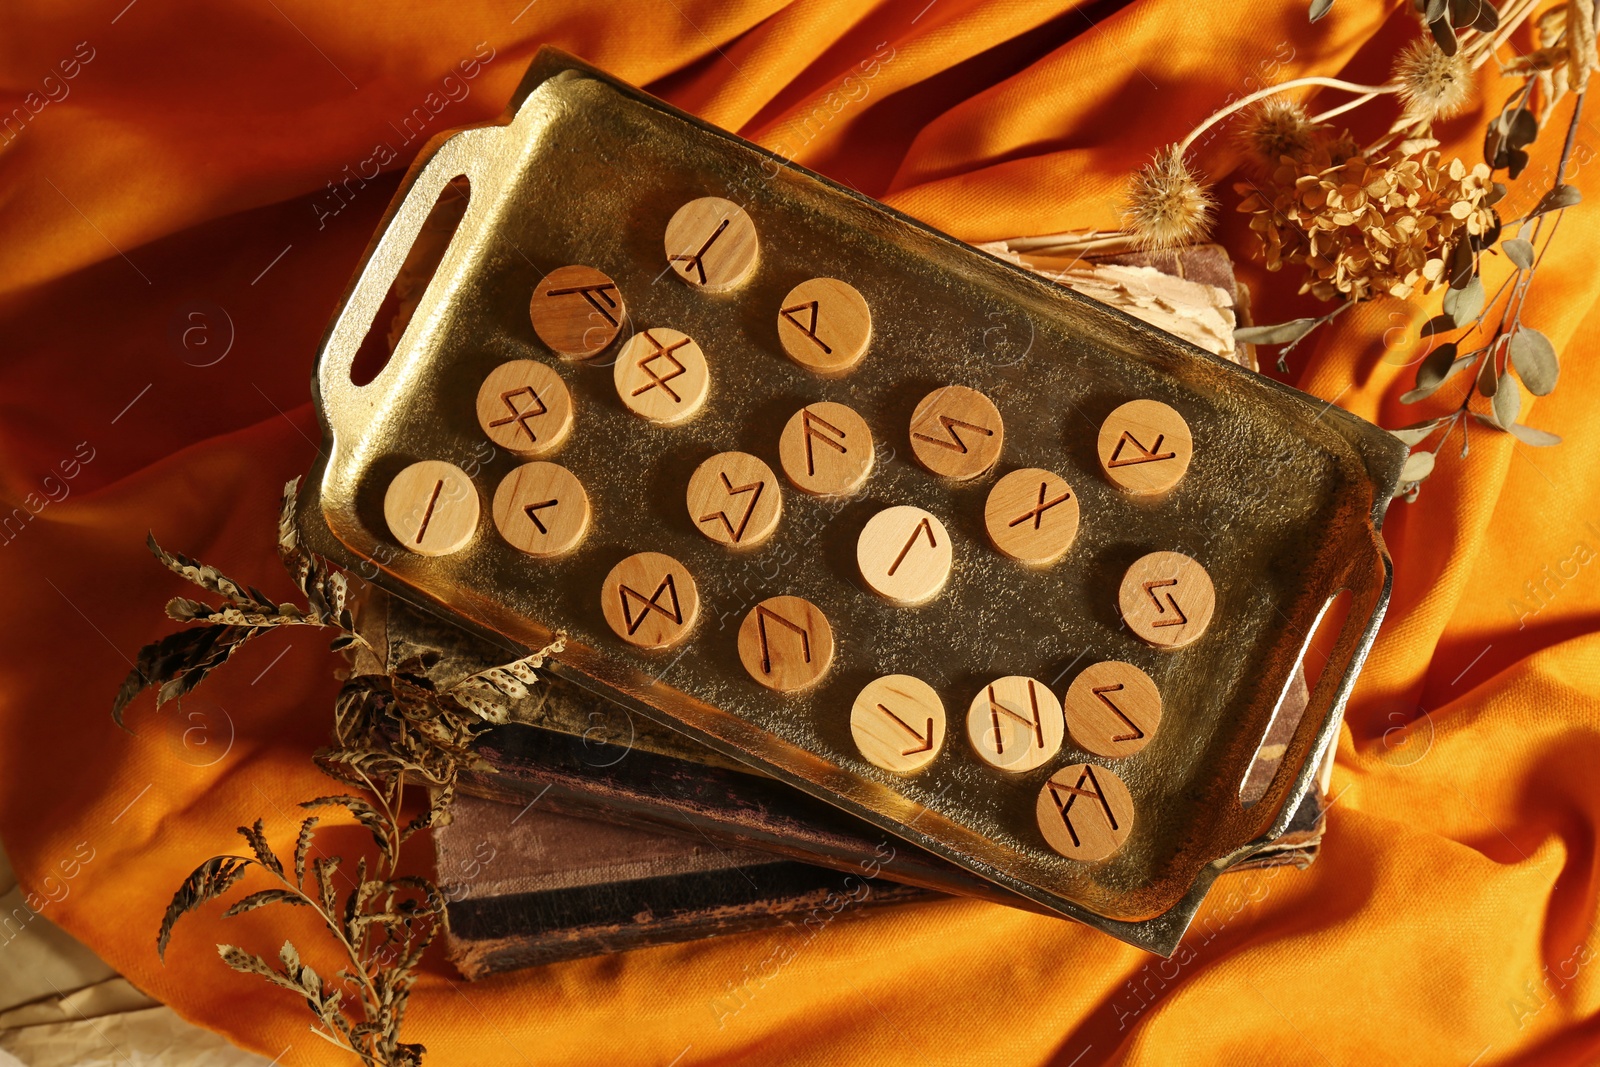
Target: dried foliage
1167,205
389,730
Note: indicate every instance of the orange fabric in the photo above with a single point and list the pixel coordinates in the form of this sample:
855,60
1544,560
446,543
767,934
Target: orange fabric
187,165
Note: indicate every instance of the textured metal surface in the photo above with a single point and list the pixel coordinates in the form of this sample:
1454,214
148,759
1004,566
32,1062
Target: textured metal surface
1281,503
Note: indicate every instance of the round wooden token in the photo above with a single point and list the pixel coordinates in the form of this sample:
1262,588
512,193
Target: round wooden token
826,449
525,408
577,311
1015,723
541,509
1145,447
904,554
956,432
898,723
1167,599
650,600
1085,812
1031,515
734,499
786,643
661,375
711,243
825,326
1112,709
431,507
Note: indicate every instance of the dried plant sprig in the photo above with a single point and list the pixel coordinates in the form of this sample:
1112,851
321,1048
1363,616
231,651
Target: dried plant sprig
389,729
1168,205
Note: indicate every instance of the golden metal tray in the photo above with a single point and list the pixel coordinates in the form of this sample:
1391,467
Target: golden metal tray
1282,502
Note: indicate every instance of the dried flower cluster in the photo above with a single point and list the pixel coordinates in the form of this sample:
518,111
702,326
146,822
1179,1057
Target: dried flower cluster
1433,85
1168,205
1365,223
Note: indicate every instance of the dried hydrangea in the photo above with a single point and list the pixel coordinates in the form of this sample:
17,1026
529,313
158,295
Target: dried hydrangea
1366,224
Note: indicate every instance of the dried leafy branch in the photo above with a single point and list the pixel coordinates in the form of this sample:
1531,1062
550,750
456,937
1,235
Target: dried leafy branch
390,729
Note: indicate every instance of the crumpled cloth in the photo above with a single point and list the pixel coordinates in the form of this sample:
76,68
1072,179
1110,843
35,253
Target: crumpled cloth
185,190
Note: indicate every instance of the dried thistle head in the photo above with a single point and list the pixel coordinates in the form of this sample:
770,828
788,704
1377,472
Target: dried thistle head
1167,204
1433,85
1278,128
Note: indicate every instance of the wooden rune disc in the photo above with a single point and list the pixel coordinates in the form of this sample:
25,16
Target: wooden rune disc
1113,709
661,375
650,600
1031,515
786,643
898,723
577,311
541,508
1085,812
1167,599
1015,723
825,326
711,244
1145,447
525,408
734,499
905,555
826,449
956,432
431,507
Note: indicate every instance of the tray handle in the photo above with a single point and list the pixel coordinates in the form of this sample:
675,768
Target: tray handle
351,408
1366,576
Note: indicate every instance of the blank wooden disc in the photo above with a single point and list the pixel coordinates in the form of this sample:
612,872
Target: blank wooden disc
734,499
541,509
826,449
786,643
956,432
1113,709
431,507
650,600
898,723
1145,447
904,554
825,326
577,311
1167,599
661,375
711,243
1085,812
525,408
1015,723
1031,515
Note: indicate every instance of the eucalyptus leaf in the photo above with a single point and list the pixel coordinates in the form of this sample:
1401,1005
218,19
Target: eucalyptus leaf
1488,383
1464,305
1320,8
1418,466
1519,252
1562,196
1279,334
1521,128
1415,435
1431,373
1438,324
1530,435
1535,359
1507,402
1462,265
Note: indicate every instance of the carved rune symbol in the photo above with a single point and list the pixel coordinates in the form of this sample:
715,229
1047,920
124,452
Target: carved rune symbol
520,416
1143,454
996,709
695,261
810,330
1037,514
427,515
737,532
650,603
955,444
665,353
809,423
925,741
599,297
1073,792
1101,691
1150,588
923,527
763,613
532,510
